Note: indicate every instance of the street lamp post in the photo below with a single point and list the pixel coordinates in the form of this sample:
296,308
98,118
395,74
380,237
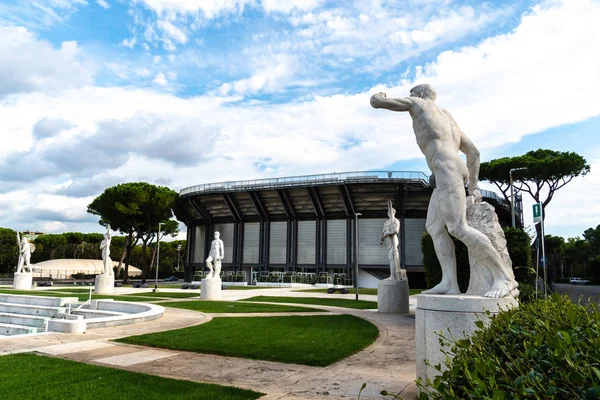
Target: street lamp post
356,215
178,255
157,257
512,195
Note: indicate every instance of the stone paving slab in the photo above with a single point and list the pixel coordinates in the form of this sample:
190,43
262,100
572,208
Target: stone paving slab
137,357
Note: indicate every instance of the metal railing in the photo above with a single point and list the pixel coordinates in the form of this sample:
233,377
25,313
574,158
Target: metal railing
321,179
308,180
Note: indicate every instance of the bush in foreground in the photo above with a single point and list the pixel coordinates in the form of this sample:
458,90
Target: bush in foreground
547,349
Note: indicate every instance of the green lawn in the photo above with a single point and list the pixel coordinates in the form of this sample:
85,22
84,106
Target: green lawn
347,303
83,296
360,291
80,296
250,287
315,340
32,377
71,290
170,295
234,307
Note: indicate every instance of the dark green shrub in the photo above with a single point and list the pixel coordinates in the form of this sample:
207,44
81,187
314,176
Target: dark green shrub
517,242
547,349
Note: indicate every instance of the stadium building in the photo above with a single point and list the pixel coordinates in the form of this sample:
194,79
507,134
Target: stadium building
307,224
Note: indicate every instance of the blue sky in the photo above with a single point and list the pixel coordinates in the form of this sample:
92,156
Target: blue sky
180,92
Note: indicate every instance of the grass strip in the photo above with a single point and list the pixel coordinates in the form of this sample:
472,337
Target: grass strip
80,296
169,295
370,291
32,377
235,307
346,303
308,340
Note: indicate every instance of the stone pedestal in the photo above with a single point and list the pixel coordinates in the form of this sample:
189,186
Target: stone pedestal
438,313
105,284
392,297
210,289
23,281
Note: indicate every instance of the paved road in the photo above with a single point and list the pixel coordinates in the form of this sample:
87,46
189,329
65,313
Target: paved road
575,292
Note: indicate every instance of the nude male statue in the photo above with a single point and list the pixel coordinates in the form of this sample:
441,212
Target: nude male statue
105,247
440,140
24,255
389,236
217,252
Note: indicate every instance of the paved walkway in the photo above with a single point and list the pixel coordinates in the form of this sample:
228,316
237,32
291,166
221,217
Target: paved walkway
387,364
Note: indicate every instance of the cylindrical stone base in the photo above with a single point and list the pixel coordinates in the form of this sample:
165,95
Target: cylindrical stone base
105,284
210,289
438,313
23,281
392,297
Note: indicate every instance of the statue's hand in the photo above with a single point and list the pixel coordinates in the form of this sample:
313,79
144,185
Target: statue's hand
375,99
477,197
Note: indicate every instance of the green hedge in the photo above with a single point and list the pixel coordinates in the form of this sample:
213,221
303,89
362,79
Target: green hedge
547,349
518,248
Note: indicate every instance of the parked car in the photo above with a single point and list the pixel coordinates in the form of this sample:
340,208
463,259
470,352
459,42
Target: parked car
171,279
579,281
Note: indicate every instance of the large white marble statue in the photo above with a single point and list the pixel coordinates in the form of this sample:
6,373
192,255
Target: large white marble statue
105,247
389,237
25,250
217,252
440,139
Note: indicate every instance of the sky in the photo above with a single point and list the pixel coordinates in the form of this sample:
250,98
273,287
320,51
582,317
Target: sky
181,92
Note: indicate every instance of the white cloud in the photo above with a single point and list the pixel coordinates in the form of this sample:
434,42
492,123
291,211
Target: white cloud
267,77
286,6
172,31
209,8
160,79
103,3
38,15
29,64
522,82
129,42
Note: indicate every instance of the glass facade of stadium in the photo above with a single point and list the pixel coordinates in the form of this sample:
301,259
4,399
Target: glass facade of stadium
297,229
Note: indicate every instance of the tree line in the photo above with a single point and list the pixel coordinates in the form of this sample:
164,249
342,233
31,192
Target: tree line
77,245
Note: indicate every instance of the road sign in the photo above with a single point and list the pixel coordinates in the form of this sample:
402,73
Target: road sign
537,213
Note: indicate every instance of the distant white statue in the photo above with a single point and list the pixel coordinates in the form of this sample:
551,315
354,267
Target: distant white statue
25,250
389,237
440,139
105,247
217,252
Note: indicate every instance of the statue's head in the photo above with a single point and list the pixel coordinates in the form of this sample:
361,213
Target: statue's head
391,210
24,239
424,91
217,234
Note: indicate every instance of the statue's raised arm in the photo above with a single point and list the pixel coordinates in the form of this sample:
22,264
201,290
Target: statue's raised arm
380,100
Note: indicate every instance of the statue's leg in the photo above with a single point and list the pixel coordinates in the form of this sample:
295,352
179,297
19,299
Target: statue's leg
217,272
392,267
209,265
454,215
444,248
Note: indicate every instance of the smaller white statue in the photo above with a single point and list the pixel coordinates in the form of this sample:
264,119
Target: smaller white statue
217,252
389,236
105,247
25,250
